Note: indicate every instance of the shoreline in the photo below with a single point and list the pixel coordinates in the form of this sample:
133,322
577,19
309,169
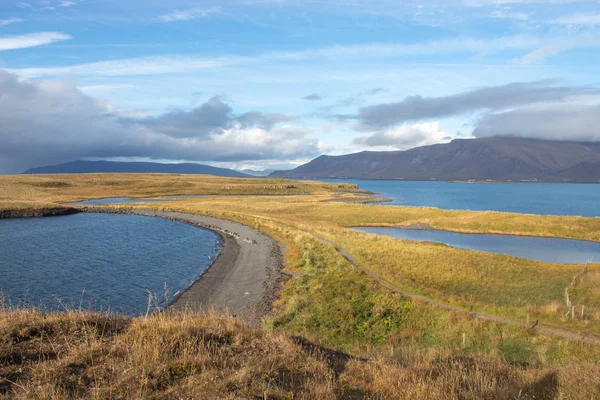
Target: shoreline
243,280
38,212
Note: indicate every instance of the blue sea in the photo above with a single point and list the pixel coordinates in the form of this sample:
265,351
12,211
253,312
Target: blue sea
527,198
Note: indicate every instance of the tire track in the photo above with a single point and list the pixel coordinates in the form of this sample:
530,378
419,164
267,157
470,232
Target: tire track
540,328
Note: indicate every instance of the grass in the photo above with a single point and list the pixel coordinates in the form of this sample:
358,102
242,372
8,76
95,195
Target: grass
32,190
172,356
416,351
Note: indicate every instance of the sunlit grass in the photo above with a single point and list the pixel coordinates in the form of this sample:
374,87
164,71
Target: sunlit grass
329,301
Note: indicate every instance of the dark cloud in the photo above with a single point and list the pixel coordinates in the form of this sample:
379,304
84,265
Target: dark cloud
564,122
264,121
209,118
417,108
313,97
50,122
376,90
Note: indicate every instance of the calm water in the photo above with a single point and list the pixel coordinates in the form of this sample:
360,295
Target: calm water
113,258
114,200
558,251
527,198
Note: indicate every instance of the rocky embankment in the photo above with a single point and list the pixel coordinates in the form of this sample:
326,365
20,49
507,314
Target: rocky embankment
40,212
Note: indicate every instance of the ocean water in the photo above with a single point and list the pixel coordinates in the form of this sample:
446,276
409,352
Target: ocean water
100,261
526,198
558,251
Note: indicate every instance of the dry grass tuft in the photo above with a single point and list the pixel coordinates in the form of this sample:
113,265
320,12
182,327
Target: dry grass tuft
80,355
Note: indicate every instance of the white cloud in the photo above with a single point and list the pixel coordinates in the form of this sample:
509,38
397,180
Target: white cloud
188,64
405,137
579,19
8,21
135,66
188,15
573,121
31,40
66,3
554,48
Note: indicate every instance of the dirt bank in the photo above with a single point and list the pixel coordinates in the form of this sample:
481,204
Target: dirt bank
40,212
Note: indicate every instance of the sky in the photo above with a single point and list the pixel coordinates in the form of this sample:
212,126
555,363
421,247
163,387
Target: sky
271,84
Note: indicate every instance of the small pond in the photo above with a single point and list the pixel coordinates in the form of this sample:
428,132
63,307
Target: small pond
558,251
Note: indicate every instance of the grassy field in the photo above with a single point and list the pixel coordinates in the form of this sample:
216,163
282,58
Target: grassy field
331,303
79,355
18,191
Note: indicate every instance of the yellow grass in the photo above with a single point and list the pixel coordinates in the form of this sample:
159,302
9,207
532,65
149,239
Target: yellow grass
331,302
79,355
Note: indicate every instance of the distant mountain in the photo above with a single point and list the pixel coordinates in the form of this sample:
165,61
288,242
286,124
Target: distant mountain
496,159
86,167
263,172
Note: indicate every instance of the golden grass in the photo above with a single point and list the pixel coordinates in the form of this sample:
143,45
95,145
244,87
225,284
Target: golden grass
28,189
173,356
330,301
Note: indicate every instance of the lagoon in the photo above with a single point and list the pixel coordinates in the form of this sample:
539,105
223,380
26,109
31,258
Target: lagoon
101,261
552,250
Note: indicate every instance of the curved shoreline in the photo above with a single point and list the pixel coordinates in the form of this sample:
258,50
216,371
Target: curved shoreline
244,278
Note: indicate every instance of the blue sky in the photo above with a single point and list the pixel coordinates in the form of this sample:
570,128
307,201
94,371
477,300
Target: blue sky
273,83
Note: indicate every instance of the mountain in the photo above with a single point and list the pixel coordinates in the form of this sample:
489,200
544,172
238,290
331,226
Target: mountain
86,167
254,172
496,159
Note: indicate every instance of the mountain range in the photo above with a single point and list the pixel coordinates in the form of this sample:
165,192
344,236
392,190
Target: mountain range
495,159
82,167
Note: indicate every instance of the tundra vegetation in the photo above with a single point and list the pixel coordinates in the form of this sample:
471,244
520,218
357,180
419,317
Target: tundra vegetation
387,345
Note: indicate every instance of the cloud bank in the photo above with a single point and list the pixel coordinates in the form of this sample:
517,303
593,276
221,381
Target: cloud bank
49,122
538,110
417,108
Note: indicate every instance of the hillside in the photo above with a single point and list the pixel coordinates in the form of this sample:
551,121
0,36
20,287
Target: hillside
79,356
497,159
87,167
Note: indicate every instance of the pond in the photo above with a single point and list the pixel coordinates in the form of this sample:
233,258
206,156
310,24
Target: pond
552,250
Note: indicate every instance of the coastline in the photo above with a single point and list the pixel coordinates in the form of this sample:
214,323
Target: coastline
38,212
243,280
